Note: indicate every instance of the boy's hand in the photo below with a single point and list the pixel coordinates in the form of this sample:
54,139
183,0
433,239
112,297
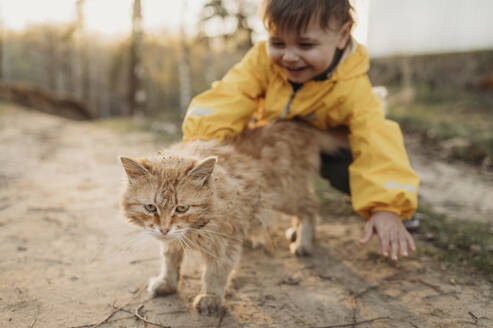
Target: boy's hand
391,232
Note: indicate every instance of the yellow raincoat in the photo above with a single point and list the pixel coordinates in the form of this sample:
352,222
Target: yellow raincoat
381,178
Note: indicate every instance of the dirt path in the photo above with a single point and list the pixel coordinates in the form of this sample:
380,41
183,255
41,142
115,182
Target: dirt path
458,190
67,257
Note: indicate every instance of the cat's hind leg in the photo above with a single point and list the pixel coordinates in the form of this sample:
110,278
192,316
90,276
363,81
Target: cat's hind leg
303,245
302,234
167,281
291,233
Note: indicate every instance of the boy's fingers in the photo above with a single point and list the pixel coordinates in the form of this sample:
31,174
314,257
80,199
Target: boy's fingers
403,245
395,248
410,241
368,233
385,248
384,244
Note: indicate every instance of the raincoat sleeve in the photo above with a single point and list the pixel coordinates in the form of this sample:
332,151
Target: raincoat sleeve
226,109
381,178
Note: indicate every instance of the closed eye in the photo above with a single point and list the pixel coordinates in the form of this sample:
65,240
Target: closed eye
276,44
306,45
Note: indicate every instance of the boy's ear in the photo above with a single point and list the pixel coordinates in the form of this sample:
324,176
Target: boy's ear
203,170
133,169
344,35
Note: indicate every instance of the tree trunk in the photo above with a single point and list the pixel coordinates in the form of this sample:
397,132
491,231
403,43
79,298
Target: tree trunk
67,56
51,61
184,69
1,51
85,90
136,96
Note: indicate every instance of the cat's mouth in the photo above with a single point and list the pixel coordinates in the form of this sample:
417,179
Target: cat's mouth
167,237
163,233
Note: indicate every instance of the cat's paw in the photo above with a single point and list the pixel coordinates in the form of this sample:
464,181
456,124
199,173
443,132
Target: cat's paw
291,234
300,250
159,286
208,304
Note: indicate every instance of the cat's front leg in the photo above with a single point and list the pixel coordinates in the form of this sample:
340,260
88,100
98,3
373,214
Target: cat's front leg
215,277
167,281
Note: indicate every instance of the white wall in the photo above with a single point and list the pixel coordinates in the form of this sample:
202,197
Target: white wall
362,10
428,26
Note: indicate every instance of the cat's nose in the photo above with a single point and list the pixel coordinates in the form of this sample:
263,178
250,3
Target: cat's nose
164,231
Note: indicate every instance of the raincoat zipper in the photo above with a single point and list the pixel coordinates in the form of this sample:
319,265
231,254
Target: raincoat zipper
286,109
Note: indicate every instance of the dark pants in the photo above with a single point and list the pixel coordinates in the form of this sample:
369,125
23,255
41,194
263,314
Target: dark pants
335,168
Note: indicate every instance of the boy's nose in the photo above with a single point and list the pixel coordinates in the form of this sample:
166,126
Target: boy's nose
290,57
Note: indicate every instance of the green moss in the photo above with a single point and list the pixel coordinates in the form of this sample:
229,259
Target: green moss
439,116
467,242
333,203
6,107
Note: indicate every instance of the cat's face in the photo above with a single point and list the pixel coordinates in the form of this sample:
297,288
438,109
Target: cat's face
167,196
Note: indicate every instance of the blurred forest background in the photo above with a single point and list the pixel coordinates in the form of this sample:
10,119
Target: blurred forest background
444,95
141,74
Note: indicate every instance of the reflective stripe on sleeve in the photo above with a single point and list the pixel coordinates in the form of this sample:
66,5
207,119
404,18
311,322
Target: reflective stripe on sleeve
200,112
396,185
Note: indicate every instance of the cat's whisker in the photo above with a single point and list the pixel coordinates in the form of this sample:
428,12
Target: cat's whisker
179,236
130,242
200,247
212,224
219,234
186,243
181,243
154,233
123,248
199,233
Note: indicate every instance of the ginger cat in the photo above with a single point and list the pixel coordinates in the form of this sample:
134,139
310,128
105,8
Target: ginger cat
209,195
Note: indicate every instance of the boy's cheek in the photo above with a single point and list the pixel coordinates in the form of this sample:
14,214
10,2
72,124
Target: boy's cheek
275,59
272,53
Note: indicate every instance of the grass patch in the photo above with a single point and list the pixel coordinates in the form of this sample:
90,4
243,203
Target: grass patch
333,202
459,241
440,116
7,107
125,124
163,131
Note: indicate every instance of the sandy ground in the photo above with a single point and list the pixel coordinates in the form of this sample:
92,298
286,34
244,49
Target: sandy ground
68,258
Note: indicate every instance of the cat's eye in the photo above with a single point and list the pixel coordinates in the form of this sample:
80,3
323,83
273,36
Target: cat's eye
182,208
150,208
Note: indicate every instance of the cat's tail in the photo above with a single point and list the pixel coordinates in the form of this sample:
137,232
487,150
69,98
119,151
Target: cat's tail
332,140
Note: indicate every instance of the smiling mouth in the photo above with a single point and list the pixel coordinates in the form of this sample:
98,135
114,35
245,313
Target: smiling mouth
294,70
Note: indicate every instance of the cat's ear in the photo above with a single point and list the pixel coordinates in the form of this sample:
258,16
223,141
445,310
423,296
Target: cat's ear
203,170
133,169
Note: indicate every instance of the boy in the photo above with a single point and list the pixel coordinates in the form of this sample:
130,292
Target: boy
312,69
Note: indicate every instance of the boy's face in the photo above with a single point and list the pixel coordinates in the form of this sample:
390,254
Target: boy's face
308,54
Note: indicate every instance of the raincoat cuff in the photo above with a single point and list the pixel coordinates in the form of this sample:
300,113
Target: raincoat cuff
390,209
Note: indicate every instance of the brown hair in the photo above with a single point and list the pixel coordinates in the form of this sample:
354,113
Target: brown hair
286,15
